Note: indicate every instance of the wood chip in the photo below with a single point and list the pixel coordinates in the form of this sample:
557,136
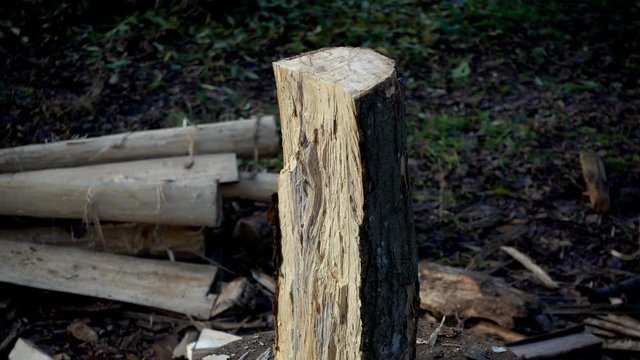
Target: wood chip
207,342
26,350
81,331
451,291
265,280
181,349
238,293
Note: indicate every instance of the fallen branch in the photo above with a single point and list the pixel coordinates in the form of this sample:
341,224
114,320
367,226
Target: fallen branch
25,349
246,138
179,287
540,275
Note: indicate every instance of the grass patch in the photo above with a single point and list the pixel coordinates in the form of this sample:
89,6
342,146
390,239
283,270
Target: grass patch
441,139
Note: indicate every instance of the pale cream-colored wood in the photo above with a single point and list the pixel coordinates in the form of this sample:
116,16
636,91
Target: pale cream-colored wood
26,350
118,198
348,278
179,287
246,138
127,239
258,187
199,168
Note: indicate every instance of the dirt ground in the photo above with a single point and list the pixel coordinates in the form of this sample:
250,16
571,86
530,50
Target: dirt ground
498,109
451,345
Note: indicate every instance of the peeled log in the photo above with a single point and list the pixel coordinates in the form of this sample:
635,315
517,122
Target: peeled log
243,137
117,199
196,169
347,284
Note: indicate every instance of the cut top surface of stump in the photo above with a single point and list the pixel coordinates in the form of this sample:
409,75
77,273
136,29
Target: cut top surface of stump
356,70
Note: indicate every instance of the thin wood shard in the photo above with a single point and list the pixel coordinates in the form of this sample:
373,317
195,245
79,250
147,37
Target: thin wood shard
246,138
595,179
540,275
179,287
347,282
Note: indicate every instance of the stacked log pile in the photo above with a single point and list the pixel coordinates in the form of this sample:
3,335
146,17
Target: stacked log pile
139,193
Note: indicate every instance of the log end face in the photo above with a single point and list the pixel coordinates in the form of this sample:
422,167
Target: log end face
356,70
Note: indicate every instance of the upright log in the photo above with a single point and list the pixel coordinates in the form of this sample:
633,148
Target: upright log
347,285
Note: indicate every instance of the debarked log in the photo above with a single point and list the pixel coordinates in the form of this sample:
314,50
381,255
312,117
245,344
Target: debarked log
117,199
246,138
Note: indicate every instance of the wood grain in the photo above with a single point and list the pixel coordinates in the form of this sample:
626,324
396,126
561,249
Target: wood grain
347,286
179,287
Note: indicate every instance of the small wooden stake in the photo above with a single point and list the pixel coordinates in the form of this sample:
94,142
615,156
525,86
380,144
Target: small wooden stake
347,286
596,180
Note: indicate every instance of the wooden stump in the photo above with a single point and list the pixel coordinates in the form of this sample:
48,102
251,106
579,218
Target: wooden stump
347,285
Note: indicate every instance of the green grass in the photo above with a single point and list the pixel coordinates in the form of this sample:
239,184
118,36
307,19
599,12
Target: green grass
238,43
445,140
441,139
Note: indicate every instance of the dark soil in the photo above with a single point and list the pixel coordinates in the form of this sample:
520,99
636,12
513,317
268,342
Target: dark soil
451,345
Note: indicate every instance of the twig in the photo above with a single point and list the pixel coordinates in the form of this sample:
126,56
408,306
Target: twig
627,257
526,261
434,335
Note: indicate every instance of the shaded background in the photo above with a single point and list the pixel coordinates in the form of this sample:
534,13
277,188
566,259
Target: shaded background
501,96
